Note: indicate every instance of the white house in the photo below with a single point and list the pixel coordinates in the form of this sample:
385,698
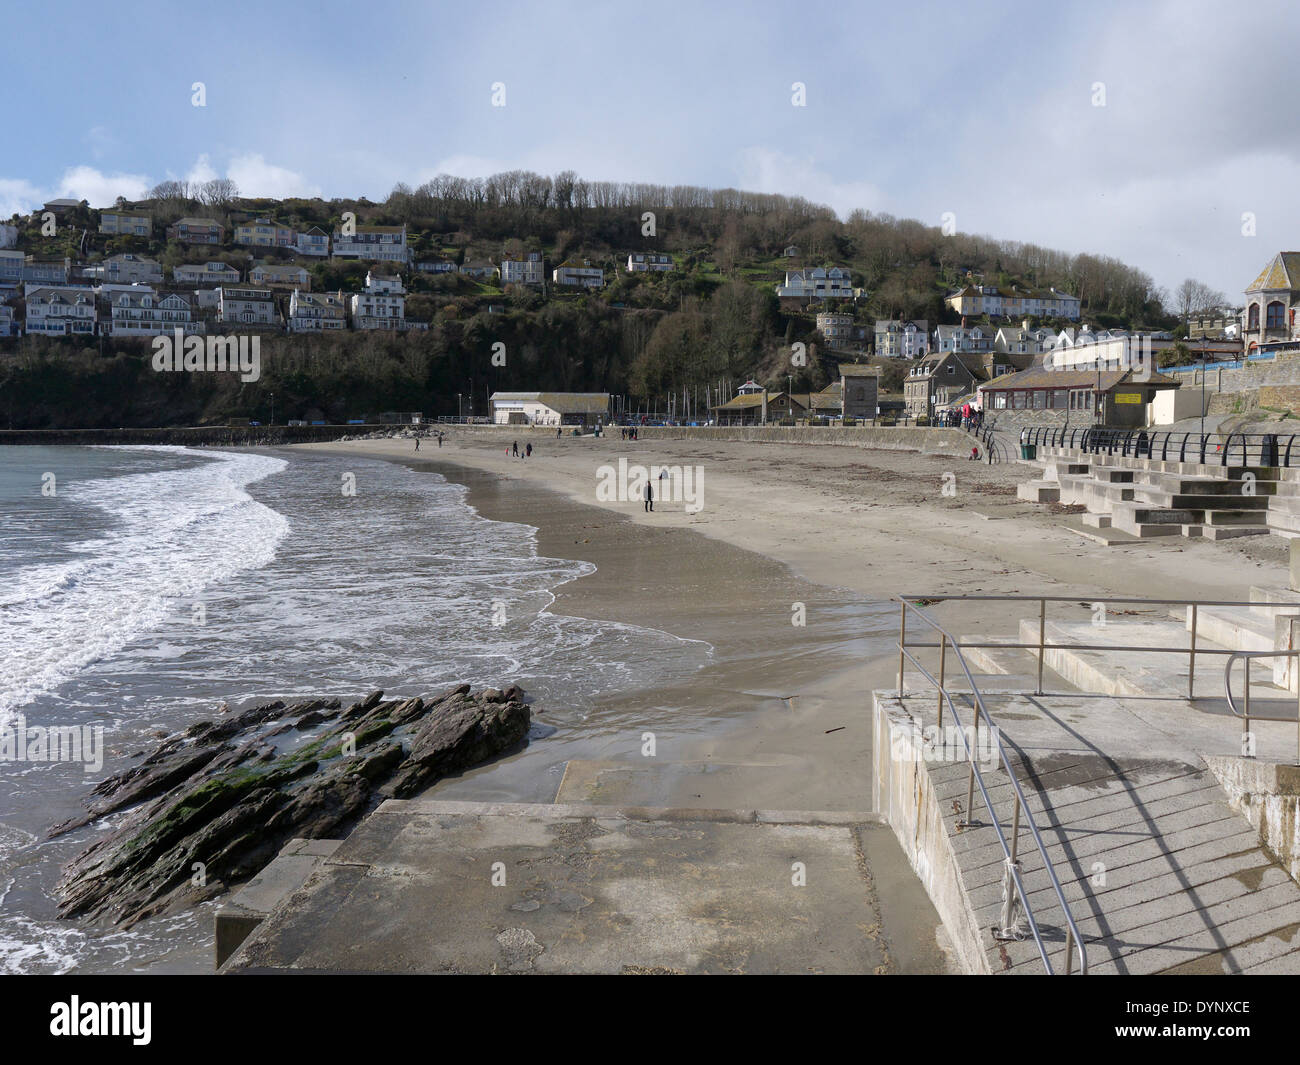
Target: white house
206,274
149,314
549,408
382,305
246,306
579,272
314,242
902,339
274,275
56,311
315,312
641,262
530,270
385,244
818,283
126,269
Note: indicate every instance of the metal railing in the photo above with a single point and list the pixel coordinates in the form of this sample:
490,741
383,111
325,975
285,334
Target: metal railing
912,605
1232,449
1013,881
1247,740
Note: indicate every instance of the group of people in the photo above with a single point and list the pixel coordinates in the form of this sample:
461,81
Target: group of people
514,450
629,432
439,437
963,417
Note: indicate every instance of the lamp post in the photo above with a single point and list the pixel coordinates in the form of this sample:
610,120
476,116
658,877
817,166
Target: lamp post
272,408
458,413
1203,395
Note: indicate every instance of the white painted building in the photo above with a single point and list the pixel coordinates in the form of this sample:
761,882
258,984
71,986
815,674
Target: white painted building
59,311
246,306
382,305
579,273
149,314
314,242
126,223
530,270
385,244
126,269
205,274
819,283
316,312
642,262
275,275
549,408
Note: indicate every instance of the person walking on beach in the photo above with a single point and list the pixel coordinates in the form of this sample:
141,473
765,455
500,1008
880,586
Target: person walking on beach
417,443
528,451
558,433
440,439
649,498
514,449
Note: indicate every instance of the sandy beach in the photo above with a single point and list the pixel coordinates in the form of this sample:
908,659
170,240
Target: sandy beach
780,718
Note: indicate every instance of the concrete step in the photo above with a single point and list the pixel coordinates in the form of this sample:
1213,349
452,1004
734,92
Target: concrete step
1039,492
1234,627
1114,475
1097,521
1232,532
1159,497
1252,516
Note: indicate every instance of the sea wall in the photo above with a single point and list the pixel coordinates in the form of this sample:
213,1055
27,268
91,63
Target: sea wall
904,792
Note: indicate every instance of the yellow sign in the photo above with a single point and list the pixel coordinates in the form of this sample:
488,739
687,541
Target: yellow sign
1128,397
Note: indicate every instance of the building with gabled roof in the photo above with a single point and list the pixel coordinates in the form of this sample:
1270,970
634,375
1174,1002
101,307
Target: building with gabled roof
550,408
1271,302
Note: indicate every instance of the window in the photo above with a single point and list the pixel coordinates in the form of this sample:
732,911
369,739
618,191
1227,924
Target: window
1060,399
1017,400
1253,318
1276,315
1040,399
999,401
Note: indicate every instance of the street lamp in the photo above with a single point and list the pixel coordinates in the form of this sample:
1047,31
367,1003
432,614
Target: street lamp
458,413
272,408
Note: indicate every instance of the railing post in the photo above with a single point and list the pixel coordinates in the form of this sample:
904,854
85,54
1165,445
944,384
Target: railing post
1069,949
1246,704
943,662
1015,830
1191,657
902,642
1042,639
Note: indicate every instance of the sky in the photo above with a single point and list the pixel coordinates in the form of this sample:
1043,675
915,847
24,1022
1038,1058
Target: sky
1162,134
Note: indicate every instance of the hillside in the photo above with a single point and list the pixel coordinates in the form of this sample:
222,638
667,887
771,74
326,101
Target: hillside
710,323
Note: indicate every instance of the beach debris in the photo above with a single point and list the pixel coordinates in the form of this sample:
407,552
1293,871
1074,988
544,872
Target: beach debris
213,805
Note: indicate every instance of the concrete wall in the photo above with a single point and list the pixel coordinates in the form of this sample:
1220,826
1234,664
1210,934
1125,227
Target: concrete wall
1268,796
1172,404
877,437
904,793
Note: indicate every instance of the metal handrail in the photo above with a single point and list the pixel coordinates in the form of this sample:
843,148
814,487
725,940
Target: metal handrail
1267,448
1247,716
1073,938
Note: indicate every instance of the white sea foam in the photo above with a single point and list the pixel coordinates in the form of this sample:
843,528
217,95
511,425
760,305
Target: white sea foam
174,534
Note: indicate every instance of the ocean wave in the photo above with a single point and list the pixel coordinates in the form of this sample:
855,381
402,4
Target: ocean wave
174,533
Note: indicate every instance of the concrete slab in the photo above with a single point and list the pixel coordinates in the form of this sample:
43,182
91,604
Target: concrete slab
428,886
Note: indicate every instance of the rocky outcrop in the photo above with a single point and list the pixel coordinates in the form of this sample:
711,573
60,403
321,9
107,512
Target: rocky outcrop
212,805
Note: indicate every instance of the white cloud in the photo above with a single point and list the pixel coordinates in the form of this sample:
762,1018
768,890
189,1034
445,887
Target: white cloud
102,190
769,170
256,177
19,197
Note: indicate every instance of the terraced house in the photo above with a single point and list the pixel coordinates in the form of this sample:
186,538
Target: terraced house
1015,301
902,339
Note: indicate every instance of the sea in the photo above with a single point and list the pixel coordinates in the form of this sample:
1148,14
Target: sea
145,588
